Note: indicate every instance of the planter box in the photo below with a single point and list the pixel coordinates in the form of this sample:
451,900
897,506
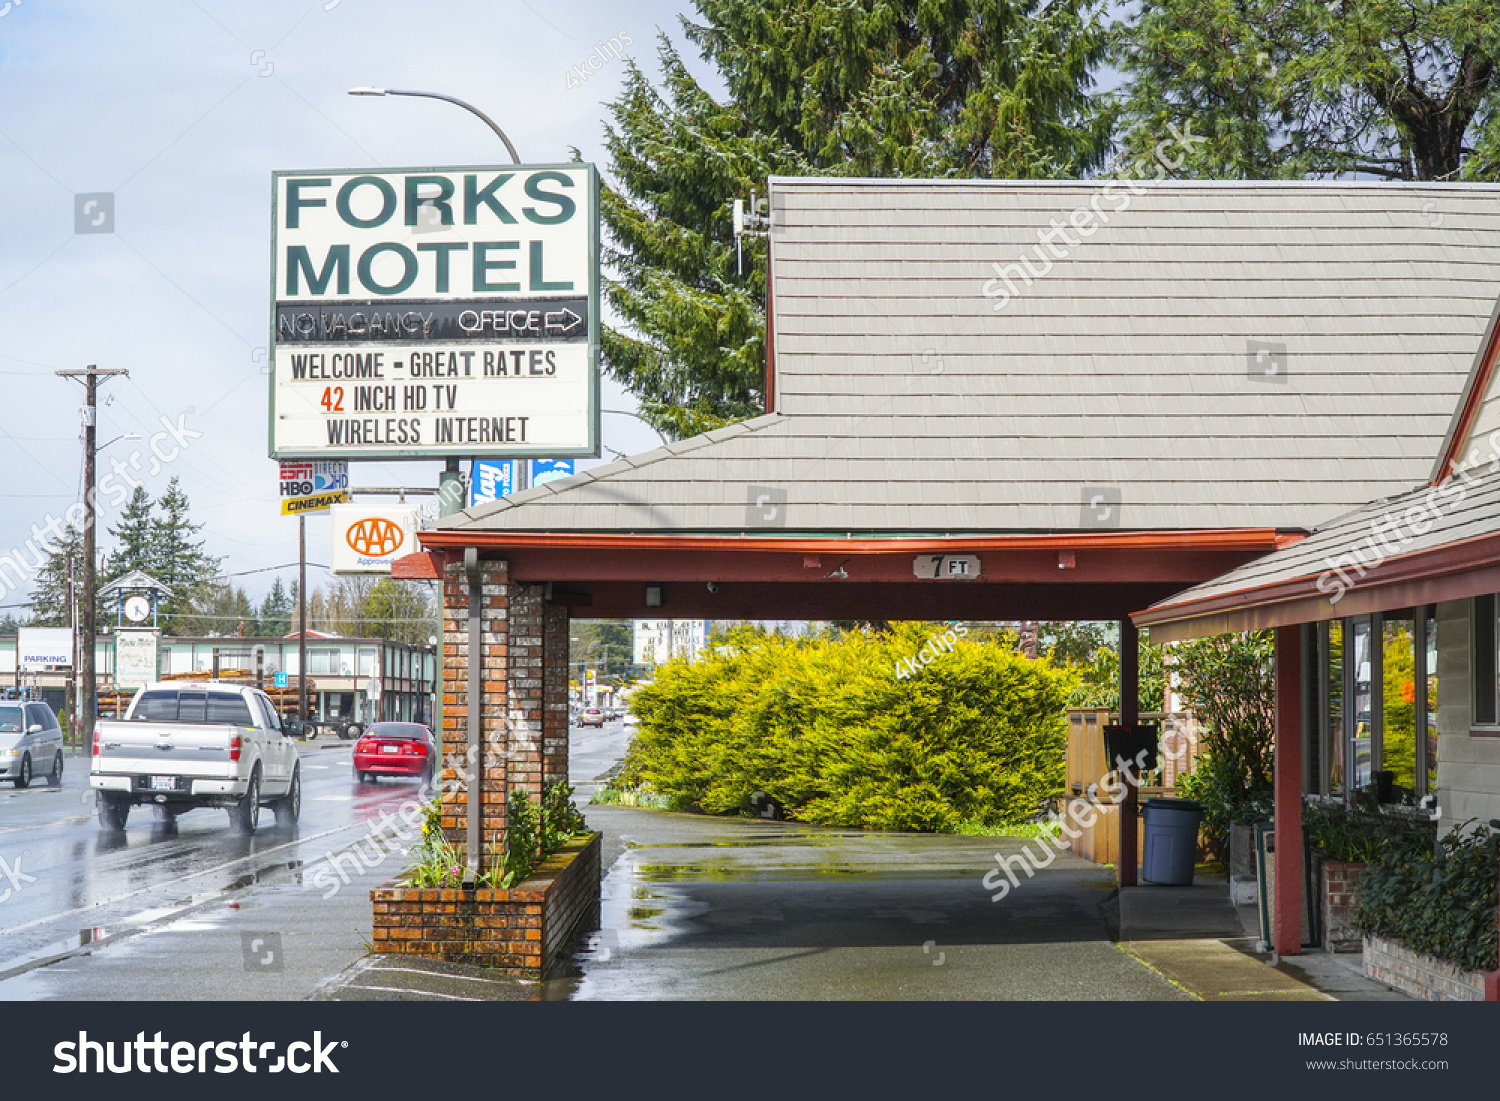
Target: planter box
1419,975
521,930
1338,880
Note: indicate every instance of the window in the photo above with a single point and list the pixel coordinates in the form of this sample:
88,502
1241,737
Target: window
272,721
1430,676
10,719
1333,730
1362,671
1482,663
1399,706
1371,706
192,707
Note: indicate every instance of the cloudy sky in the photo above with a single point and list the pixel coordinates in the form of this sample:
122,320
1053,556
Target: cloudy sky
181,109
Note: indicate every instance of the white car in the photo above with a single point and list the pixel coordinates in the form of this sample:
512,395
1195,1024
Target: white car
189,744
30,743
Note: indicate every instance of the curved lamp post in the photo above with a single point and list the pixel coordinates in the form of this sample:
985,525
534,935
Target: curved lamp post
499,133
450,483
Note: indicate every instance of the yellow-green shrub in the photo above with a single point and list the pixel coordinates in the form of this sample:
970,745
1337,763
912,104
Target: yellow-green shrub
831,729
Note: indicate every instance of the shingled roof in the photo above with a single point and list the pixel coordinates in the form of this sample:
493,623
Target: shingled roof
1227,355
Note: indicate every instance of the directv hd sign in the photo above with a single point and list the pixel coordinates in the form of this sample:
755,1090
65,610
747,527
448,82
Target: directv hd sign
433,312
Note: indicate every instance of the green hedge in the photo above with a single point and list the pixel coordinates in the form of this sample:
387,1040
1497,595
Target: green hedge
912,729
1441,903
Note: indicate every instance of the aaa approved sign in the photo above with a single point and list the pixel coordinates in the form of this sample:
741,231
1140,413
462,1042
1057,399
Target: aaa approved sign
435,312
368,540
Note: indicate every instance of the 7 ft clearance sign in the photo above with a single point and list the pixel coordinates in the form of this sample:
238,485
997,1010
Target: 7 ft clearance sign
435,312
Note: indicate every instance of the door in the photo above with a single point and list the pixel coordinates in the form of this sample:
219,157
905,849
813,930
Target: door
278,752
45,743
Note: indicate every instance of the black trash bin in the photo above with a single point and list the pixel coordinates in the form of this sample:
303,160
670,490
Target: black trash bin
1170,847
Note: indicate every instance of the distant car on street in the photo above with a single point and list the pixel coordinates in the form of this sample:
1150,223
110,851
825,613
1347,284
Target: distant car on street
30,743
395,749
591,716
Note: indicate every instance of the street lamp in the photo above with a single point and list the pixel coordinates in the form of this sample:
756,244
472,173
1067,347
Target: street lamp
511,149
450,482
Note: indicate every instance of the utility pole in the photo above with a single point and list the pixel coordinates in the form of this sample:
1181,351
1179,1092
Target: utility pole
73,707
88,696
302,617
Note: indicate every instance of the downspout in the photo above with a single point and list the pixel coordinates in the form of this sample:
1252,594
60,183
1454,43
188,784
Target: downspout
474,786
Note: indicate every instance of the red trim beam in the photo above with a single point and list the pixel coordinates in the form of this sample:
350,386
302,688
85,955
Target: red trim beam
421,566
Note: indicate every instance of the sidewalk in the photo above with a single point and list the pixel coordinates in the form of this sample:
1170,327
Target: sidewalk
1198,940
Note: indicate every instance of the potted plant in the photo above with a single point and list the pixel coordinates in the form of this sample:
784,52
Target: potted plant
1344,841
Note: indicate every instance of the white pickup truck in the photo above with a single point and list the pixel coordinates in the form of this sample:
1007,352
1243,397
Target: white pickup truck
189,744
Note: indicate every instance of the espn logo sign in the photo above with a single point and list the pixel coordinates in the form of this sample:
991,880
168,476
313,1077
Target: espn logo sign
366,540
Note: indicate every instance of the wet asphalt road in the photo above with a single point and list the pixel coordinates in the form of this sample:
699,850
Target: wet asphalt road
693,907
95,898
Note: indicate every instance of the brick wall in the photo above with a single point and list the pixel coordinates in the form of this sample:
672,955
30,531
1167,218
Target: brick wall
494,678
556,628
1419,975
522,930
524,688
1339,883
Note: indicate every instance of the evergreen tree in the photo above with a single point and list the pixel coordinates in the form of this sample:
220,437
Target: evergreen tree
9,624
961,88
133,534
178,559
1395,89
49,589
278,611
218,610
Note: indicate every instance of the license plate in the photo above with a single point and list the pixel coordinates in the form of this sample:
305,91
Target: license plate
163,783
390,749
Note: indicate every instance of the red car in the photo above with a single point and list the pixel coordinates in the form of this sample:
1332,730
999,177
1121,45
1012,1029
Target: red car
395,749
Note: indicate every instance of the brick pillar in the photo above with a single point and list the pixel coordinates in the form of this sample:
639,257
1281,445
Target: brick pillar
555,694
494,644
524,720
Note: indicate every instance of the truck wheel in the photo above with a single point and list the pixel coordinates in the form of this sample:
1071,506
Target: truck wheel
247,815
289,806
23,778
113,813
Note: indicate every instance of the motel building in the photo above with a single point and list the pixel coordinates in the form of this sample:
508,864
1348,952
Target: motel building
350,680
1190,408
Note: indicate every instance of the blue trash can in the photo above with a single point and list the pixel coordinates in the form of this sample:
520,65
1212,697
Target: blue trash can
1170,847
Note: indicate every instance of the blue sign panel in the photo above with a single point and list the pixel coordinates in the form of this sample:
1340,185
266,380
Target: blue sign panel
281,680
550,470
491,479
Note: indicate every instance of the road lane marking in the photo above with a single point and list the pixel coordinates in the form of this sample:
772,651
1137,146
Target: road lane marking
44,825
